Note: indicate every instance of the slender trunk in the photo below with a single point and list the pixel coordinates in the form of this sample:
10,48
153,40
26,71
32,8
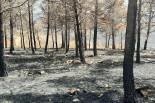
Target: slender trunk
5,37
38,39
52,37
106,40
76,41
66,27
81,51
3,71
66,34
63,37
95,29
48,29
21,41
68,38
128,77
139,33
22,31
113,41
121,41
24,42
149,24
30,28
29,41
85,42
113,38
90,38
109,40
28,37
11,28
56,42
33,32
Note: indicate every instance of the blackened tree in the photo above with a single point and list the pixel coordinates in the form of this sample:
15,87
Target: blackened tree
128,77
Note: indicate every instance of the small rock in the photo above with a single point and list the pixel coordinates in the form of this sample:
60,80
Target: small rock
50,99
78,90
42,72
84,91
13,76
101,95
76,100
74,91
69,61
93,92
104,86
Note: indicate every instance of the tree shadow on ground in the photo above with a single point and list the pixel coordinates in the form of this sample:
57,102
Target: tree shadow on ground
109,64
75,82
34,61
113,52
148,56
108,97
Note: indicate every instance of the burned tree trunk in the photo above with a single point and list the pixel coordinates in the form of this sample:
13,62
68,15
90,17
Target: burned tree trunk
63,38
38,39
139,33
106,40
113,38
3,71
30,27
90,38
109,40
21,41
52,38
48,28
68,38
5,37
95,29
121,41
66,27
76,41
22,31
81,51
85,39
149,24
11,28
56,42
33,32
128,77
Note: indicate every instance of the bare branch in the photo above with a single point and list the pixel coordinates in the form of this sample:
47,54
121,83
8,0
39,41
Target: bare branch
14,7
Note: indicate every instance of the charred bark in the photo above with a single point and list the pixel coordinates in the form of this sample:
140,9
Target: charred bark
3,71
30,28
95,29
149,24
48,28
90,38
81,51
128,77
11,28
139,33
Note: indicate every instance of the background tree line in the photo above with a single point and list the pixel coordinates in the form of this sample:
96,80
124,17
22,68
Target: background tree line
81,18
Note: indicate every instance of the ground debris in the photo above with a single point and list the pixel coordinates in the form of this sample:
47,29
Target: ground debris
101,95
35,72
50,99
143,91
76,100
93,92
105,86
74,91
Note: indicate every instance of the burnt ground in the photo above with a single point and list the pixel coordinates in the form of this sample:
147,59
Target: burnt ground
48,78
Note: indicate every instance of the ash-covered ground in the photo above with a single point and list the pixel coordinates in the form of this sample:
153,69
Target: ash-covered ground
57,77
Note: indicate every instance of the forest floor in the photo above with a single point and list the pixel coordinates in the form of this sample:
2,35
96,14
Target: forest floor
57,77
